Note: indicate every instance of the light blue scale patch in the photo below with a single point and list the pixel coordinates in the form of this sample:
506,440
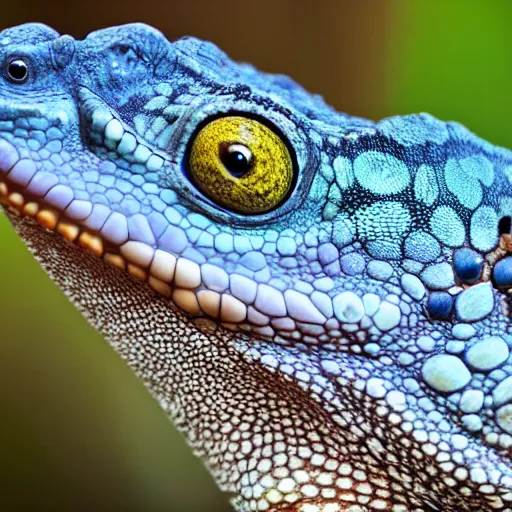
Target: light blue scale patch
475,303
343,231
447,226
508,173
422,247
169,196
268,248
33,145
124,186
383,220
114,196
271,236
381,173
330,211
414,267
242,244
505,206
334,194
129,207
107,180
164,88
193,234
464,178
426,188
484,229
254,261
344,172
318,191
382,249
199,221
172,215
439,276
157,103
194,255
412,286
224,243
205,240
414,129
352,264
91,176
463,331
380,270
286,246
327,172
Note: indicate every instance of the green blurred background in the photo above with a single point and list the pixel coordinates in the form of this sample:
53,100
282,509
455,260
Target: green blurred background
78,431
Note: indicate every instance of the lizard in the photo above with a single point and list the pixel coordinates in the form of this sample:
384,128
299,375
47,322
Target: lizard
318,301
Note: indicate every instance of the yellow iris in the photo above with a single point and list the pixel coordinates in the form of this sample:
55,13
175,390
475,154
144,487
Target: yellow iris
241,164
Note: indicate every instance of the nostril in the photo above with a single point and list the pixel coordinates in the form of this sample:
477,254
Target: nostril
504,225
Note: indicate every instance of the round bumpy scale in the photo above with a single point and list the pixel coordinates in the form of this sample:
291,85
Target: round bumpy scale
488,353
474,303
440,305
503,273
241,164
468,265
446,373
504,418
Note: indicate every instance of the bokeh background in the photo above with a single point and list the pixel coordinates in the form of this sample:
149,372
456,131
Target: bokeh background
77,430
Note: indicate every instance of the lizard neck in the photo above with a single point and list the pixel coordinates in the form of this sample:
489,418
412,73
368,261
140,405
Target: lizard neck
206,384
221,389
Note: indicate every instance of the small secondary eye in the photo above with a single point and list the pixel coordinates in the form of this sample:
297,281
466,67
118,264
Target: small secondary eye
17,71
241,164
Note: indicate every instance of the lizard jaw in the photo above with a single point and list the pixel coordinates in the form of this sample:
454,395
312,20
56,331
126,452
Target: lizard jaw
232,300
162,271
177,279
16,203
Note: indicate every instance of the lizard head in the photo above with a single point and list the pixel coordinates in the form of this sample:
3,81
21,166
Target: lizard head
342,253
174,163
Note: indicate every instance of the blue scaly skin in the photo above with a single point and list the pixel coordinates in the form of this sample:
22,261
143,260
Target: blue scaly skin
332,335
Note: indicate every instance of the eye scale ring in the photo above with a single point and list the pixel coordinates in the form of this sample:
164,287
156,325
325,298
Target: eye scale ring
17,71
241,164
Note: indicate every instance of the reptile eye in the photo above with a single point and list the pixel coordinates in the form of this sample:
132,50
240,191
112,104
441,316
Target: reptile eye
17,71
241,164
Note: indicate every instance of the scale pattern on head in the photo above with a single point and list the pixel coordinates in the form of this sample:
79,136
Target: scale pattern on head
362,268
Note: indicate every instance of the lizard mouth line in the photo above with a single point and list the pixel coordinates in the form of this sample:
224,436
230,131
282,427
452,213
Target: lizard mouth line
49,218
179,279
172,278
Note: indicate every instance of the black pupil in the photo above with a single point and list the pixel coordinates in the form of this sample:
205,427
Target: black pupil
18,70
235,162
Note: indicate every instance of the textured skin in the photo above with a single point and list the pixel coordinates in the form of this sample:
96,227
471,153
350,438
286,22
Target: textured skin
368,367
